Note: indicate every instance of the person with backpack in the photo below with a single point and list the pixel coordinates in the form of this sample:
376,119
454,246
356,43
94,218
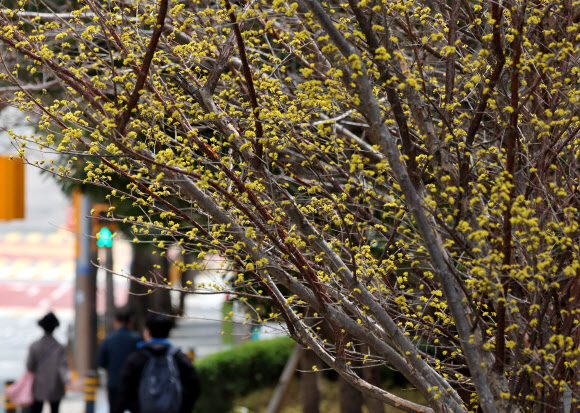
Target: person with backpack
115,349
158,377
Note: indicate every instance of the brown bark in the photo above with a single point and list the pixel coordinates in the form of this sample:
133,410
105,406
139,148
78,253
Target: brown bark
161,298
373,376
138,300
310,382
350,398
141,299
186,276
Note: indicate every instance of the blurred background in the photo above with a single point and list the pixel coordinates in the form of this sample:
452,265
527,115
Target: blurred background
39,262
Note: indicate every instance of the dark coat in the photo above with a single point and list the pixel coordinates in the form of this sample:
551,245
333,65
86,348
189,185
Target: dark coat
128,396
114,351
47,360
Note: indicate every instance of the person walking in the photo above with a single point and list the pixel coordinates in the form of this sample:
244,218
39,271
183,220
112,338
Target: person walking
47,360
158,377
114,350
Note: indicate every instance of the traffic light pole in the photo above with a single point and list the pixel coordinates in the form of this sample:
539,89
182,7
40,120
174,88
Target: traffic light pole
110,293
85,293
104,230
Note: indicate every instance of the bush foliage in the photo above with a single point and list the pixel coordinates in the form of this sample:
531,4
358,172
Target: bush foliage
239,371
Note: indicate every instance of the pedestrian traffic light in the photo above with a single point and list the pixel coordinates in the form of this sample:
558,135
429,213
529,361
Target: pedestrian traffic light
102,226
105,238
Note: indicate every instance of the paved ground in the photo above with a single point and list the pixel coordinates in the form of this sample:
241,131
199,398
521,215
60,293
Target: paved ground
75,403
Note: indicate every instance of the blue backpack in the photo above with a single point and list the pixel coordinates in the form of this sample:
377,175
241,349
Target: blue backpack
160,388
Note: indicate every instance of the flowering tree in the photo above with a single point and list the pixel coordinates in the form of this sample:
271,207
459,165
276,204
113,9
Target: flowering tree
405,171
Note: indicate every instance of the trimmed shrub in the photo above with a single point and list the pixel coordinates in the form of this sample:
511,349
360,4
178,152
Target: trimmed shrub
252,366
236,372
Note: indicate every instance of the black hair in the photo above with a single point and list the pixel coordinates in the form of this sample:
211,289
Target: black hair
123,316
49,322
158,325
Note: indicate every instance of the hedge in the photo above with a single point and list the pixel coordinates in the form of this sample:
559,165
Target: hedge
249,367
239,371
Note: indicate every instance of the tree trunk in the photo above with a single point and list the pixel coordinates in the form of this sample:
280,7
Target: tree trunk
186,276
161,298
373,376
350,398
310,382
138,300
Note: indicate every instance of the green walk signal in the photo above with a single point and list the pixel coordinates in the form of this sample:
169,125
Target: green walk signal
105,238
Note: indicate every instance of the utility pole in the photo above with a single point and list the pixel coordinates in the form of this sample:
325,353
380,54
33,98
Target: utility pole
89,223
85,291
104,230
110,294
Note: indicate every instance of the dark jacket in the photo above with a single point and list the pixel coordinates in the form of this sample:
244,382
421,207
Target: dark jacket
47,360
114,351
128,397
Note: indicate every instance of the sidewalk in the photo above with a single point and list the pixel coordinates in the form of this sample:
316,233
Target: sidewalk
74,402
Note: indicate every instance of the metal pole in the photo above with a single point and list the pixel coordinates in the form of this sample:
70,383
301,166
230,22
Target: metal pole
110,307
85,293
91,385
191,354
8,406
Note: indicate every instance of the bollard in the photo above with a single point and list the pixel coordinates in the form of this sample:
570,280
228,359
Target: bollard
91,385
8,406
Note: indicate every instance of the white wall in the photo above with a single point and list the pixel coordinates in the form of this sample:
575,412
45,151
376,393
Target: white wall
46,207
